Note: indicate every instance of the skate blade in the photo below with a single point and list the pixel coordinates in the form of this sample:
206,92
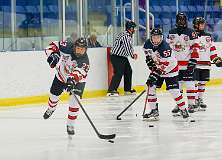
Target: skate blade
176,114
201,109
151,119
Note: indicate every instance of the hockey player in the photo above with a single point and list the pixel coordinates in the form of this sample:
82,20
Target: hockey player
182,41
163,65
72,64
207,53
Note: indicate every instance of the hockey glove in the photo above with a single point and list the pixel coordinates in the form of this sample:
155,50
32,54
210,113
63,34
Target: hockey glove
70,84
191,66
150,63
53,59
218,61
153,77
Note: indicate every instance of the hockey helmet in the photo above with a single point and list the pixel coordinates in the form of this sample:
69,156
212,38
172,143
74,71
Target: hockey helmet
80,46
196,23
130,25
156,36
181,20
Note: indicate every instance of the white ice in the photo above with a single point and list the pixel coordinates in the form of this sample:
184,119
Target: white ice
25,135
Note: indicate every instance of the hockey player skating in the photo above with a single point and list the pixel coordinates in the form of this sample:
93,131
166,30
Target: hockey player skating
164,67
72,64
207,53
182,40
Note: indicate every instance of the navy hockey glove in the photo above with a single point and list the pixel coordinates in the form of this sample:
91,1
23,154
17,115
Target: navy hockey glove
70,84
150,63
191,66
53,59
217,61
153,77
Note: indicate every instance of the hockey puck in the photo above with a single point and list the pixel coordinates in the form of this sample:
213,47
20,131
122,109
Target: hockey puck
151,125
111,141
136,115
192,120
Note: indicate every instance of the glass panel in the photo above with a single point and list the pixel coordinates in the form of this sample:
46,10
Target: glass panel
28,25
52,21
99,20
71,19
5,25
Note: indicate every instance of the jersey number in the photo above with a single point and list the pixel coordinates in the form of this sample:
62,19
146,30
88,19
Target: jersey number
167,53
63,43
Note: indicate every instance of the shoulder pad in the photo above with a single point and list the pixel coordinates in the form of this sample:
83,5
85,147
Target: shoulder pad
147,44
65,47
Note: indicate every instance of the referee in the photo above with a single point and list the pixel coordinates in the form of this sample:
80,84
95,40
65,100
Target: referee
122,49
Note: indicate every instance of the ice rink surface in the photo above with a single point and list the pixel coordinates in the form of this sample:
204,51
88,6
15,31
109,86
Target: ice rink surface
25,135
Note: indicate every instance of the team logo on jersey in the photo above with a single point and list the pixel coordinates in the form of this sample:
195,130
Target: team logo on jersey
186,38
178,47
70,66
208,39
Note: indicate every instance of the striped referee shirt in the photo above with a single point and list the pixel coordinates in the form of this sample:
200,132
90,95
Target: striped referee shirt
123,45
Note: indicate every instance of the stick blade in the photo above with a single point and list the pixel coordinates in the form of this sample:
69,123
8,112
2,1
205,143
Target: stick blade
110,136
118,118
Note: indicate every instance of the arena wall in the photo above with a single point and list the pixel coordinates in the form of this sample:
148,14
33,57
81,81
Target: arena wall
26,76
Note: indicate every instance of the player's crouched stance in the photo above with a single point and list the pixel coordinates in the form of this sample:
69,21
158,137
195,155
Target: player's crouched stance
163,66
72,64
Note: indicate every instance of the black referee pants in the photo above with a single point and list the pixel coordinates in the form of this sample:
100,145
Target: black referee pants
121,66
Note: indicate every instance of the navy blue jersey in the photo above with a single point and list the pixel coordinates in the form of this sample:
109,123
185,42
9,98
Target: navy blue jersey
162,56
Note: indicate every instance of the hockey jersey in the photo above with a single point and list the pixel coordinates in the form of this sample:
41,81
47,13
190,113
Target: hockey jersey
207,51
69,64
184,45
163,58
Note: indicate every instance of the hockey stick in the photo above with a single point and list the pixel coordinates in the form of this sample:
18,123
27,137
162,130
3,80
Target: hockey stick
101,136
118,117
146,100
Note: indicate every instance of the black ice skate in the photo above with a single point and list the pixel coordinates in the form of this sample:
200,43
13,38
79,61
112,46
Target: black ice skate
191,108
184,113
176,111
48,113
201,105
131,92
112,94
70,130
152,116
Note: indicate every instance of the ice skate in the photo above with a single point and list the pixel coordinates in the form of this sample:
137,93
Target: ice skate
70,131
131,92
175,111
152,116
201,105
48,113
184,113
112,94
191,108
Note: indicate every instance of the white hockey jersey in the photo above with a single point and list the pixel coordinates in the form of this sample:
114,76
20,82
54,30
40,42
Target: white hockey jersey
69,65
207,51
184,45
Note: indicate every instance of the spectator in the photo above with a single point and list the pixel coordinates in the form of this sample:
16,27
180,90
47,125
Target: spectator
92,42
